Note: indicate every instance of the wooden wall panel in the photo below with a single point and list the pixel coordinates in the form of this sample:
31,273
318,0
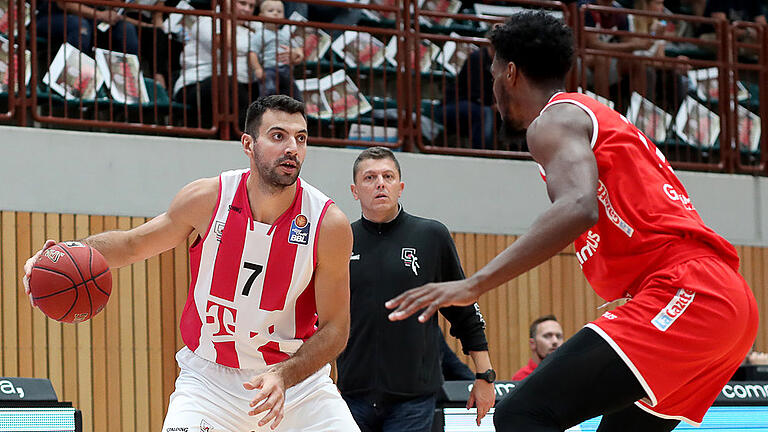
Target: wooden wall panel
55,370
99,355
39,321
9,305
119,368
23,238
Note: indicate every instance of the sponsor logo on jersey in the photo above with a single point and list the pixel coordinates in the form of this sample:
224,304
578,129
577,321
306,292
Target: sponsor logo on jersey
589,249
299,233
73,244
609,315
613,216
53,254
674,195
408,255
222,320
355,257
673,309
218,229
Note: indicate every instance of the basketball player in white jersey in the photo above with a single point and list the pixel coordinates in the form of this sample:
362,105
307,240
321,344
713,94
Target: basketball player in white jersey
268,306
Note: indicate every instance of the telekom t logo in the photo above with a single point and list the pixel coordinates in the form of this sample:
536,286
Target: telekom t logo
223,316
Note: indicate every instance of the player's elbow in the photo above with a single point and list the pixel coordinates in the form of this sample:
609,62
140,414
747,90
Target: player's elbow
342,337
337,335
586,211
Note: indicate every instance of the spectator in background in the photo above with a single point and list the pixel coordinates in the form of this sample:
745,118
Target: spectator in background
607,71
194,86
389,373
160,51
325,13
670,76
468,109
271,56
62,21
545,336
737,10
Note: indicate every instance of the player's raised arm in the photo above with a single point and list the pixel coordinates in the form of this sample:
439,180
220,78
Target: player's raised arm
332,300
189,211
560,141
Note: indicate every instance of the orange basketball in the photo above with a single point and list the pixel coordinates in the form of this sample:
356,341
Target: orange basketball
70,282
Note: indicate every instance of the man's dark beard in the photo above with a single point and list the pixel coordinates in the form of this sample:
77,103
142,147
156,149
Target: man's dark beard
272,179
512,139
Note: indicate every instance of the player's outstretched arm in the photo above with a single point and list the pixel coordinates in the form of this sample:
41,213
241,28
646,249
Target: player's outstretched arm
190,210
559,140
334,248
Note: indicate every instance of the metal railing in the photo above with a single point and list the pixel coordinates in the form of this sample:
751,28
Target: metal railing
404,77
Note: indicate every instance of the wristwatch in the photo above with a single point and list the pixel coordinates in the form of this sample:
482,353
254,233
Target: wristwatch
489,375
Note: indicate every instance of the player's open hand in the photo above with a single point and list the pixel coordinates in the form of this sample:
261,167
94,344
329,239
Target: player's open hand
482,396
28,268
270,398
432,297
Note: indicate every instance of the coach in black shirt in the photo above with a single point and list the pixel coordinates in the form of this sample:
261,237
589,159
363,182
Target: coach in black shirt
390,372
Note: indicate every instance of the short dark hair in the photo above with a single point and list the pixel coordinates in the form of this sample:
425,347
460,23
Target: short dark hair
539,44
539,320
375,153
274,102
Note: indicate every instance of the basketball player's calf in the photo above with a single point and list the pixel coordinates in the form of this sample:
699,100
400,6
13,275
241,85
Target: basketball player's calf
582,379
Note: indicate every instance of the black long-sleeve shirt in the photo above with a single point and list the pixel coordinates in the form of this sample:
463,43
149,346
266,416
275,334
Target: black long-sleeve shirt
387,360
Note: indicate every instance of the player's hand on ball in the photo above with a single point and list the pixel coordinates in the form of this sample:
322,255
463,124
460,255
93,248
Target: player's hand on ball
270,398
28,269
432,297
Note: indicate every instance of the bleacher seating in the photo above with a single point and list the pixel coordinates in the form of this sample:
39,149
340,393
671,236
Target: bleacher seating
398,70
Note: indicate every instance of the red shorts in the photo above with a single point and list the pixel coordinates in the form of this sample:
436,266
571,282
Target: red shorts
684,335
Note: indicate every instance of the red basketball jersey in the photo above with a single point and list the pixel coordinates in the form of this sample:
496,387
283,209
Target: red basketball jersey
647,220
251,301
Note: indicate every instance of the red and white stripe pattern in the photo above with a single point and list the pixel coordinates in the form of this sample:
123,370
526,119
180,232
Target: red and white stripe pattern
251,301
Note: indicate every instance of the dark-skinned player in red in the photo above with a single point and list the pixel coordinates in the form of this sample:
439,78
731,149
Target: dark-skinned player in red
664,355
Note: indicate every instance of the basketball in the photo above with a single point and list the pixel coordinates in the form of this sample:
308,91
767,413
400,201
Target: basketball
70,282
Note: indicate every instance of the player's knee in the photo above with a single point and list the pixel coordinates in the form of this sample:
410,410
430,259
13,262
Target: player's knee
515,414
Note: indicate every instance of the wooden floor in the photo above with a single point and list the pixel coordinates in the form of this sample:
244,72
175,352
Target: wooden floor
119,368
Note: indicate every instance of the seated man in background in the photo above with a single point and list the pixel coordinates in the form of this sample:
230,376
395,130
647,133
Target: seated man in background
194,87
327,13
607,71
467,110
62,21
545,336
738,10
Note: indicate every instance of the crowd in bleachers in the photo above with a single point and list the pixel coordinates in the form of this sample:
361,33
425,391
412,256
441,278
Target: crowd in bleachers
192,66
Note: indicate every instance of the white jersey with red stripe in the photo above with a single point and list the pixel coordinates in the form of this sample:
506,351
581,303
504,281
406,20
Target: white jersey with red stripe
647,221
251,301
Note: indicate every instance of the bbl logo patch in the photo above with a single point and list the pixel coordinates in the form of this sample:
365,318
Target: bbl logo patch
299,233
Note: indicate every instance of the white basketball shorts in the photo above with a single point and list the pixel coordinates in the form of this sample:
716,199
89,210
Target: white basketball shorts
210,398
